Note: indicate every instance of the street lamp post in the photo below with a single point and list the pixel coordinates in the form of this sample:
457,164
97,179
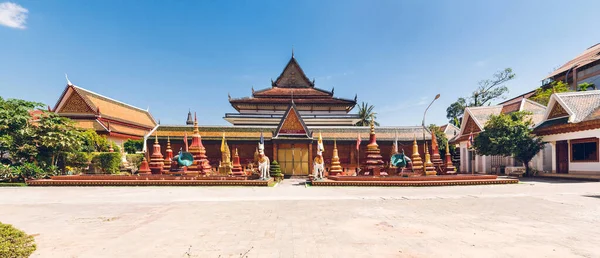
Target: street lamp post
423,124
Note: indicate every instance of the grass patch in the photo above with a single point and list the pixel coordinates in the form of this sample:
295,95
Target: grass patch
12,184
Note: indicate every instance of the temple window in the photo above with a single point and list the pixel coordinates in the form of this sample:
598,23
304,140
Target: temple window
584,150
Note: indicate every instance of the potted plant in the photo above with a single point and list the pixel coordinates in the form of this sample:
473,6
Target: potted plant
276,171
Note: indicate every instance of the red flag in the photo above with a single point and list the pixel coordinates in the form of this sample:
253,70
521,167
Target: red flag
185,141
358,142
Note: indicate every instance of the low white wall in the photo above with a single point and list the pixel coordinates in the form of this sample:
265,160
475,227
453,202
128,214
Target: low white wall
574,167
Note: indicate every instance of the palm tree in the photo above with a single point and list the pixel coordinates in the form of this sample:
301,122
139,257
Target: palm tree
365,112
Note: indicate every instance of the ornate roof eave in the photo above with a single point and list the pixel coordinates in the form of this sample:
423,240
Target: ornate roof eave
74,91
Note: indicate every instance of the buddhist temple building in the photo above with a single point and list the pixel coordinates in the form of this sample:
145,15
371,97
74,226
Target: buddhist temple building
114,119
287,114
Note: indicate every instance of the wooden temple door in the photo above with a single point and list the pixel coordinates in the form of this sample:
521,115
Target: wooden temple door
562,157
293,159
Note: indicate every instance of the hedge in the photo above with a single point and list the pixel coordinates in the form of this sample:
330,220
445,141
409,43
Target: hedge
108,162
14,242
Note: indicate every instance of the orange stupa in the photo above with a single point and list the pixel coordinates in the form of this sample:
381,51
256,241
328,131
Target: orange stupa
169,155
374,160
156,160
201,164
237,169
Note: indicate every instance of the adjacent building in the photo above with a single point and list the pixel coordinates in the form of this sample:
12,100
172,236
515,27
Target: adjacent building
114,119
571,124
473,123
585,68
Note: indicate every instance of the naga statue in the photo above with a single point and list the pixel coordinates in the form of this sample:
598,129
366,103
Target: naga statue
184,159
400,160
318,162
264,164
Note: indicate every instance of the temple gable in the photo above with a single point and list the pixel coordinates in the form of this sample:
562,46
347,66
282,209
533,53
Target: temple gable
557,111
75,104
292,124
293,77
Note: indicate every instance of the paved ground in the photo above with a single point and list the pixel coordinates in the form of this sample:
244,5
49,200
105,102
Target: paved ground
531,219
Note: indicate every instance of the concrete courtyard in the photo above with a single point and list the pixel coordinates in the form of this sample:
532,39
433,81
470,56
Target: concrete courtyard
531,219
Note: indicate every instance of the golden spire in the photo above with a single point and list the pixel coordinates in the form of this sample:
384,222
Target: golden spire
372,124
156,138
168,142
236,153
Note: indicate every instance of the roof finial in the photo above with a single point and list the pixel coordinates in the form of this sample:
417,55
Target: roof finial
68,82
292,51
332,89
252,89
355,97
228,95
292,96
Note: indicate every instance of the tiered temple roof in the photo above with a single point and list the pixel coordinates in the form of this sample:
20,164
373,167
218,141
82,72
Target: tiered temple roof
266,106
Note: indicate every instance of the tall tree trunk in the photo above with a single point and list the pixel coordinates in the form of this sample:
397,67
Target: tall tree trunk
527,170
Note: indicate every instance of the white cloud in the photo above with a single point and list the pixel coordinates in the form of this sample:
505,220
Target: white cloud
13,15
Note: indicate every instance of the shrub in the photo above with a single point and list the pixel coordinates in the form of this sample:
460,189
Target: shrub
276,171
8,174
133,146
78,161
30,171
14,242
135,159
108,162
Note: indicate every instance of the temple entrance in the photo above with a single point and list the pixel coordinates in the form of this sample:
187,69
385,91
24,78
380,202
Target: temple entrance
562,157
293,159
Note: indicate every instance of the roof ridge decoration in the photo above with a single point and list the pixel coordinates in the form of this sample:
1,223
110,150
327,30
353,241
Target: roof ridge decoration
292,124
293,76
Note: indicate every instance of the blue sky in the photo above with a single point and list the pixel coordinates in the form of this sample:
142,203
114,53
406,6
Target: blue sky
178,55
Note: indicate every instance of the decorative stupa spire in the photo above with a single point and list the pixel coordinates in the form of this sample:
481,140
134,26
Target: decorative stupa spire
236,169
435,151
450,169
429,168
156,160
189,120
336,168
169,155
417,163
374,158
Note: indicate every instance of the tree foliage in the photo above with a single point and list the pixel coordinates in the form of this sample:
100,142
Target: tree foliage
542,95
487,91
16,130
57,136
133,146
366,113
509,135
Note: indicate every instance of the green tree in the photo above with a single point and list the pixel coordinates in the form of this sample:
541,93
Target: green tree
365,112
93,142
542,95
487,91
133,146
585,86
509,135
16,130
57,136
